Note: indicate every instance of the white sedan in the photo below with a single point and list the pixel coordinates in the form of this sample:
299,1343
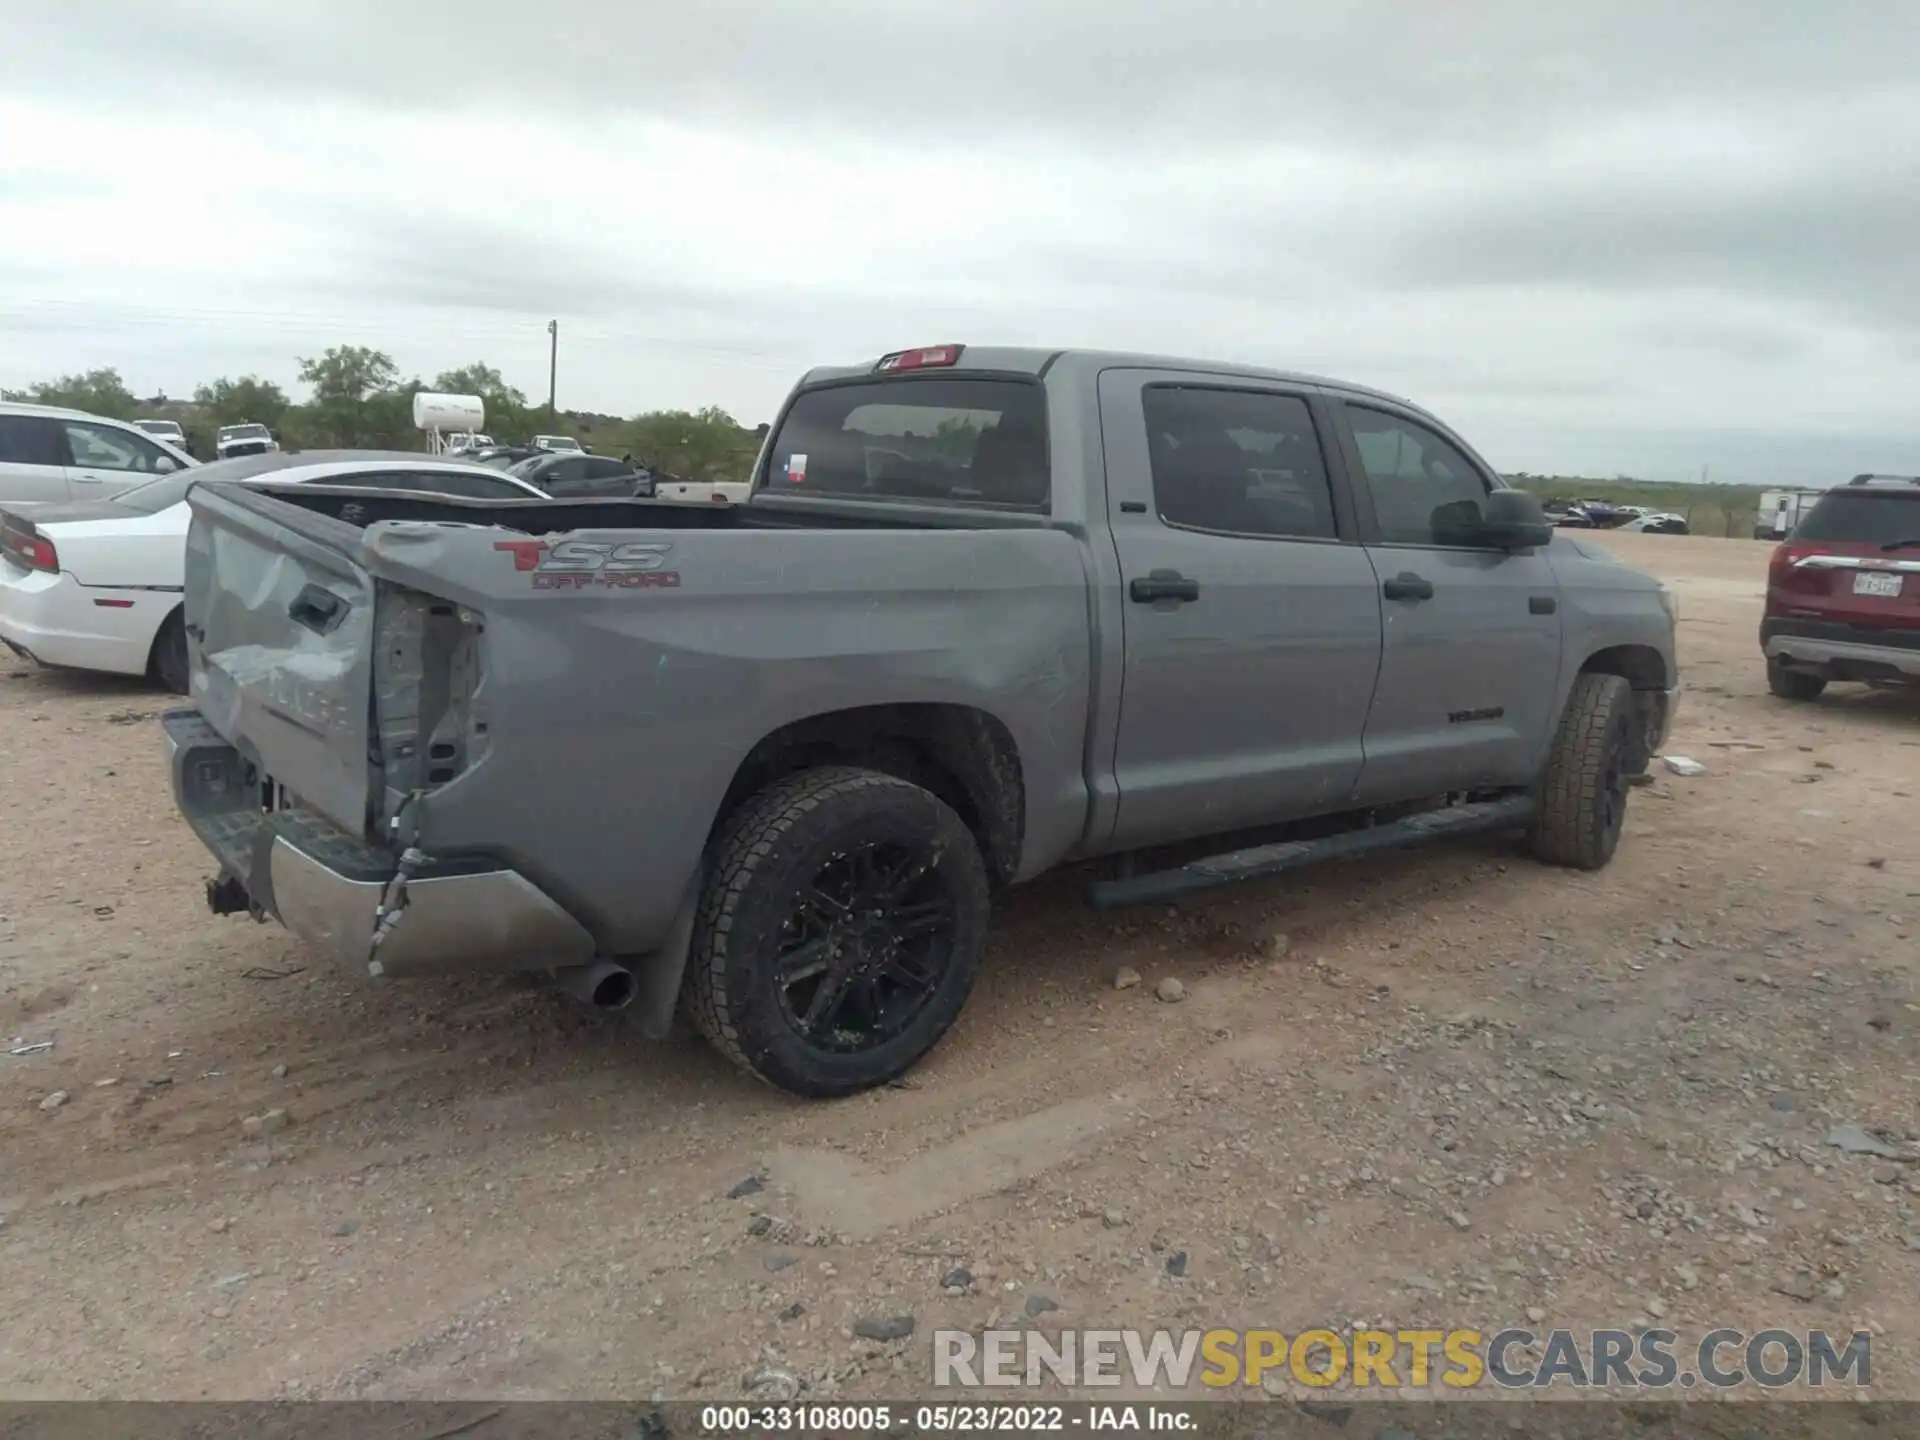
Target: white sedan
97,585
1657,522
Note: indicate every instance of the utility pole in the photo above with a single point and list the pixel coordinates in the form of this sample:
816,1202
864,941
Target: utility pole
553,370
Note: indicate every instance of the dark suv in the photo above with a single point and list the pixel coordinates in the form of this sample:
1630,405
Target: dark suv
573,476
1843,591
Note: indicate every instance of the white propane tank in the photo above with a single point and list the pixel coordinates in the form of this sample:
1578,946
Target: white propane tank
441,415
433,412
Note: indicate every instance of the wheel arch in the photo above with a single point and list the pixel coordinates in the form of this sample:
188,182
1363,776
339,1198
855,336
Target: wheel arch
960,753
1641,666
176,613
1645,669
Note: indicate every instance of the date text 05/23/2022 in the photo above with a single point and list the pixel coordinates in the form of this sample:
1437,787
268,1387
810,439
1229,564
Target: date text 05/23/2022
954,1418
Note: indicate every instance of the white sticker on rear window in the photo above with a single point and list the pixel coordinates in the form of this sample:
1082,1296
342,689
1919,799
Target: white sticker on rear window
796,469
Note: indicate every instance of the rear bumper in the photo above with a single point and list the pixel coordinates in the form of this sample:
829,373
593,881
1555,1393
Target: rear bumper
53,619
1843,652
325,885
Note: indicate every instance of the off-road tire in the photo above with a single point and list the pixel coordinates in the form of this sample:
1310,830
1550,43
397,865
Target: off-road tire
769,848
1791,684
1583,795
167,663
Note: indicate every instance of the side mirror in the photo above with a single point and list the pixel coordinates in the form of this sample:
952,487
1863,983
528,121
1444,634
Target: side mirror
164,465
1514,520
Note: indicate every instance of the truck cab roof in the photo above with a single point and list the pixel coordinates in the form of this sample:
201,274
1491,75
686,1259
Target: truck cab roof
1038,362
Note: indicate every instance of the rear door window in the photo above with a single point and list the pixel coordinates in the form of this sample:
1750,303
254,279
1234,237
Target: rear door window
32,440
946,439
1240,462
1864,517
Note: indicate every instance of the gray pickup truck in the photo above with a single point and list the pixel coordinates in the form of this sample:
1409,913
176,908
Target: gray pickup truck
986,612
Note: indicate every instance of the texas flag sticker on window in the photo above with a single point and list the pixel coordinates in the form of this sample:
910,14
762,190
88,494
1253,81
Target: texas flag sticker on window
796,469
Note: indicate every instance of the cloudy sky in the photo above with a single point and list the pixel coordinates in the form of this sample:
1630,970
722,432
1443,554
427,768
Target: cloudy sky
1600,238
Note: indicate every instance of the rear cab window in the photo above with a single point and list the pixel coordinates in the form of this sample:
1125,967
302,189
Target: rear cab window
947,439
1869,515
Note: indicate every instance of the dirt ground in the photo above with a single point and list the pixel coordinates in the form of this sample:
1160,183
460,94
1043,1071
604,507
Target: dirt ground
1472,1092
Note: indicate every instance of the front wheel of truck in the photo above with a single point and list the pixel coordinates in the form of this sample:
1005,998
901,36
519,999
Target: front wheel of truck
1583,795
838,931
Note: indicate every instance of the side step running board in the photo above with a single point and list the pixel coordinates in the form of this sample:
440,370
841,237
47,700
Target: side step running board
1260,861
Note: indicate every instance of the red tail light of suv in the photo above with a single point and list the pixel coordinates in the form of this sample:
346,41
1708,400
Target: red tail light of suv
1843,591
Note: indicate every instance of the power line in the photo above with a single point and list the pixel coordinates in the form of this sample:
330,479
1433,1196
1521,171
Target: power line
85,315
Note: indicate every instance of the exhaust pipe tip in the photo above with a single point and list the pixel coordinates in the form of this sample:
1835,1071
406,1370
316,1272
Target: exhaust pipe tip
602,985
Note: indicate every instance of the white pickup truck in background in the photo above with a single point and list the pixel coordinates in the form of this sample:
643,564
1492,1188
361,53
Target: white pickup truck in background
230,442
705,492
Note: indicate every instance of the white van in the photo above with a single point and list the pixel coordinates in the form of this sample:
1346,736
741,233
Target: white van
49,453
1780,511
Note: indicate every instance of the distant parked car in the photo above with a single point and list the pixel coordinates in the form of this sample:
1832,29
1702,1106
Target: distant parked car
1658,522
559,444
96,585
462,443
501,456
580,476
230,442
1843,593
1568,517
1606,515
51,453
167,430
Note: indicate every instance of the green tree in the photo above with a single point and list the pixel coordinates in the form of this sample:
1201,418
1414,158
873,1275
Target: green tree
698,444
354,387
386,421
349,372
507,417
98,392
248,399
956,439
479,379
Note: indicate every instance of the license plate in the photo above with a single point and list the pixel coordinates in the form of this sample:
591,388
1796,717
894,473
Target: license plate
1876,582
